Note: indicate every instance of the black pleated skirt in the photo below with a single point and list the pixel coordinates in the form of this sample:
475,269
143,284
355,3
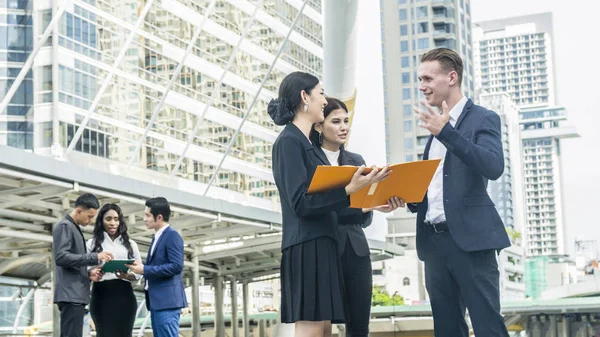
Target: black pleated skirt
312,287
112,307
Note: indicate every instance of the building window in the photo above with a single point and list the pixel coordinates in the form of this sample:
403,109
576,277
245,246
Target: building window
406,281
407,110
406,93
405,78
423,27
408,158
407,126
405,62
424,43
409,144
422,12
403,46
403,30
403,15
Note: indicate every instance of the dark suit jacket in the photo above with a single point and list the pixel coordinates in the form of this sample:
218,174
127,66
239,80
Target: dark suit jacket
71,259
163,271
351,221
474,155
305,216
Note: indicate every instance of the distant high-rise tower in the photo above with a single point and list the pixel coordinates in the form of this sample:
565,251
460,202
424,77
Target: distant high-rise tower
514,56
408,30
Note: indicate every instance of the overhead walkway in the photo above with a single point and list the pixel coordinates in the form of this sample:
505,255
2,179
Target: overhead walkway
224,241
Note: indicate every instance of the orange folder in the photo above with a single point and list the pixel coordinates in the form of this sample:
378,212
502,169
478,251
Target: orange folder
408,181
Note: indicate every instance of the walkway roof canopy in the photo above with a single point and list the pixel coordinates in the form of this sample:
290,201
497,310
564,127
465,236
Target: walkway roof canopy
230,239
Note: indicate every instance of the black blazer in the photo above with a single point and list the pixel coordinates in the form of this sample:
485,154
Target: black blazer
474,155
351,221
305,216
71,259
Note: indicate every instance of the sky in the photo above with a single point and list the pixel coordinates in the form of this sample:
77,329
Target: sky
578,90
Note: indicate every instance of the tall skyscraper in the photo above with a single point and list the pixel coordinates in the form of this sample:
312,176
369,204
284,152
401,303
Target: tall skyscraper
408,30
543,129
514,56
16,43
110,66
508,194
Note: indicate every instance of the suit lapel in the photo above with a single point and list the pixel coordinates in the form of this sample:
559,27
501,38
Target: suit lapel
427,147
321,155
463,113
151,255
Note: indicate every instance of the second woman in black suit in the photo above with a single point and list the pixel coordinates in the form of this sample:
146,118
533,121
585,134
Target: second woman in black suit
311,276
328,138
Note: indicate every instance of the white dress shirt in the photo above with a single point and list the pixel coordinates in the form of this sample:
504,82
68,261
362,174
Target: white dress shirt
156,237
435,193
332,156
119,252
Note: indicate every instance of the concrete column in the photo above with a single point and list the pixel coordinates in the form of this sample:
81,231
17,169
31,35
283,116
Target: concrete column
195,295
245,309
536,329
262,328
219,317
553,332
566,326
55,312
584,331
234,309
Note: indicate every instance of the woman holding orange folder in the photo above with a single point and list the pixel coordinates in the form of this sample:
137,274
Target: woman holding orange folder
328,138
311,276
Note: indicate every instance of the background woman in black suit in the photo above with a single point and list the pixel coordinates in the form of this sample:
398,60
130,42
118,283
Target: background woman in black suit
328,138
113,304
311,276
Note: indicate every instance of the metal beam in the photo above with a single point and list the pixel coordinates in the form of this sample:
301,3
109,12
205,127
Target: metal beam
144,324
108,79
28,216
56,147
245,261
24,225
23,260
55,191
245,250
26,235
215,91
37,178
252,268
172,80
196,327
22,309
262,84
45,278
9,182
29,63
235,322
245,316
219,317
24,189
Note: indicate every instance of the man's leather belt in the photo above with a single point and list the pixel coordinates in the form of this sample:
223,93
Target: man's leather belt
439,227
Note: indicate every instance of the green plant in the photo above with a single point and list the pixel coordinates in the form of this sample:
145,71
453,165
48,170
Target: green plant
382,298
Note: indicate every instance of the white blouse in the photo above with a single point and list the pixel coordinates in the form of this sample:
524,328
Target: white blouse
333,156
119,252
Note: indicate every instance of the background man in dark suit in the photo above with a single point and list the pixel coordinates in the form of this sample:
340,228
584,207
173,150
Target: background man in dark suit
459,230
72,289
165,294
